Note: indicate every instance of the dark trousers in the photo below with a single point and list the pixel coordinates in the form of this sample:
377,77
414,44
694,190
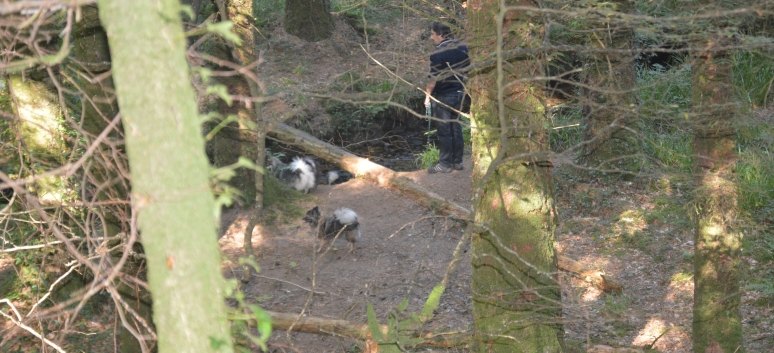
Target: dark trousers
448,128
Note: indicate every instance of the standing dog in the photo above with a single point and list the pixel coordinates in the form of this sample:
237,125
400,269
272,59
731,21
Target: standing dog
342,220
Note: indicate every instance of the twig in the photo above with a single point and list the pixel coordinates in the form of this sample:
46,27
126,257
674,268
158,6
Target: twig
51,289
25,327
290,283
19,6
55,242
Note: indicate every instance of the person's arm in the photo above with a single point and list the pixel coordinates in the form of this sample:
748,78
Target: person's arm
428,91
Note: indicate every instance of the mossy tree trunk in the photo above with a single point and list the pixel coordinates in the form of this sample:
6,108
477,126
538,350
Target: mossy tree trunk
41,143
170,185
608,100
516,300
309,20
242,14
717,320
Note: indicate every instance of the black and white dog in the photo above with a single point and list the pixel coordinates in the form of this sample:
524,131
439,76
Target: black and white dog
343,220
337,177
301,174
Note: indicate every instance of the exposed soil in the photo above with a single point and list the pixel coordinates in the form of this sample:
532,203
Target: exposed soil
403,253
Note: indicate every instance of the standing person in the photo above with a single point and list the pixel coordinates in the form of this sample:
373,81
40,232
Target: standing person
447,65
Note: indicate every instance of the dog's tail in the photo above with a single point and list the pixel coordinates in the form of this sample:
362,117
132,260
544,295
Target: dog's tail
345,216
337,177
349,218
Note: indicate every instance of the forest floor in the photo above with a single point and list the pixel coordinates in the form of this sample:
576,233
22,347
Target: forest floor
638,232
635,232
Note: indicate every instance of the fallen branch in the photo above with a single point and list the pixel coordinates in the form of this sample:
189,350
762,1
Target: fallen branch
360,166
594,277
386,177
18,322
343,328
608,349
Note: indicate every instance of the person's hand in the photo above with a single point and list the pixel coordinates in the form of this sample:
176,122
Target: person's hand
427,101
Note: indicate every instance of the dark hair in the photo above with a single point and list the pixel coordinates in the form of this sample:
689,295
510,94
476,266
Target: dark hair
442,30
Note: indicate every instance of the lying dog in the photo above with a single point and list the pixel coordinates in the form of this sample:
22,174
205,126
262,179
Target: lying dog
337,177
343,220
301,174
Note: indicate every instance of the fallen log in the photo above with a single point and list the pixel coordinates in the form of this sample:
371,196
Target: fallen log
594,277
362,167
343,328
388,178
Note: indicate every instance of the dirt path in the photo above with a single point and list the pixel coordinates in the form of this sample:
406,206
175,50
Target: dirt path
403,253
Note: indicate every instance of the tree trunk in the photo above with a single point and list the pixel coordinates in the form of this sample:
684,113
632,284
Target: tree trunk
517,302
241,13
170,183
717,321
608,100
309,20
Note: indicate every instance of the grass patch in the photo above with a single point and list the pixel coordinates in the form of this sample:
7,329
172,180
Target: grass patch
753,77
664,94
681,278
281,202
428,157
616,305
565,129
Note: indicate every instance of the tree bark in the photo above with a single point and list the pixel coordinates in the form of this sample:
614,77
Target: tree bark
241,13
717,318
517,302
608,100
170,183
309,20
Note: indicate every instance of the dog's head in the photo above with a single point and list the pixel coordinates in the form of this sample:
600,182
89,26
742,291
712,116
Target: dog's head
312,217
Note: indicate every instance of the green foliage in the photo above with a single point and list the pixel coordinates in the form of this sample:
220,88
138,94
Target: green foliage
267,11
755,165
223,29
565,129
684,277
659,8
662,92
665,94
377,13
245,316
465,130
753,77
766,289
399,330
429,157
616,305
755,173
638,240
280,201
350,119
